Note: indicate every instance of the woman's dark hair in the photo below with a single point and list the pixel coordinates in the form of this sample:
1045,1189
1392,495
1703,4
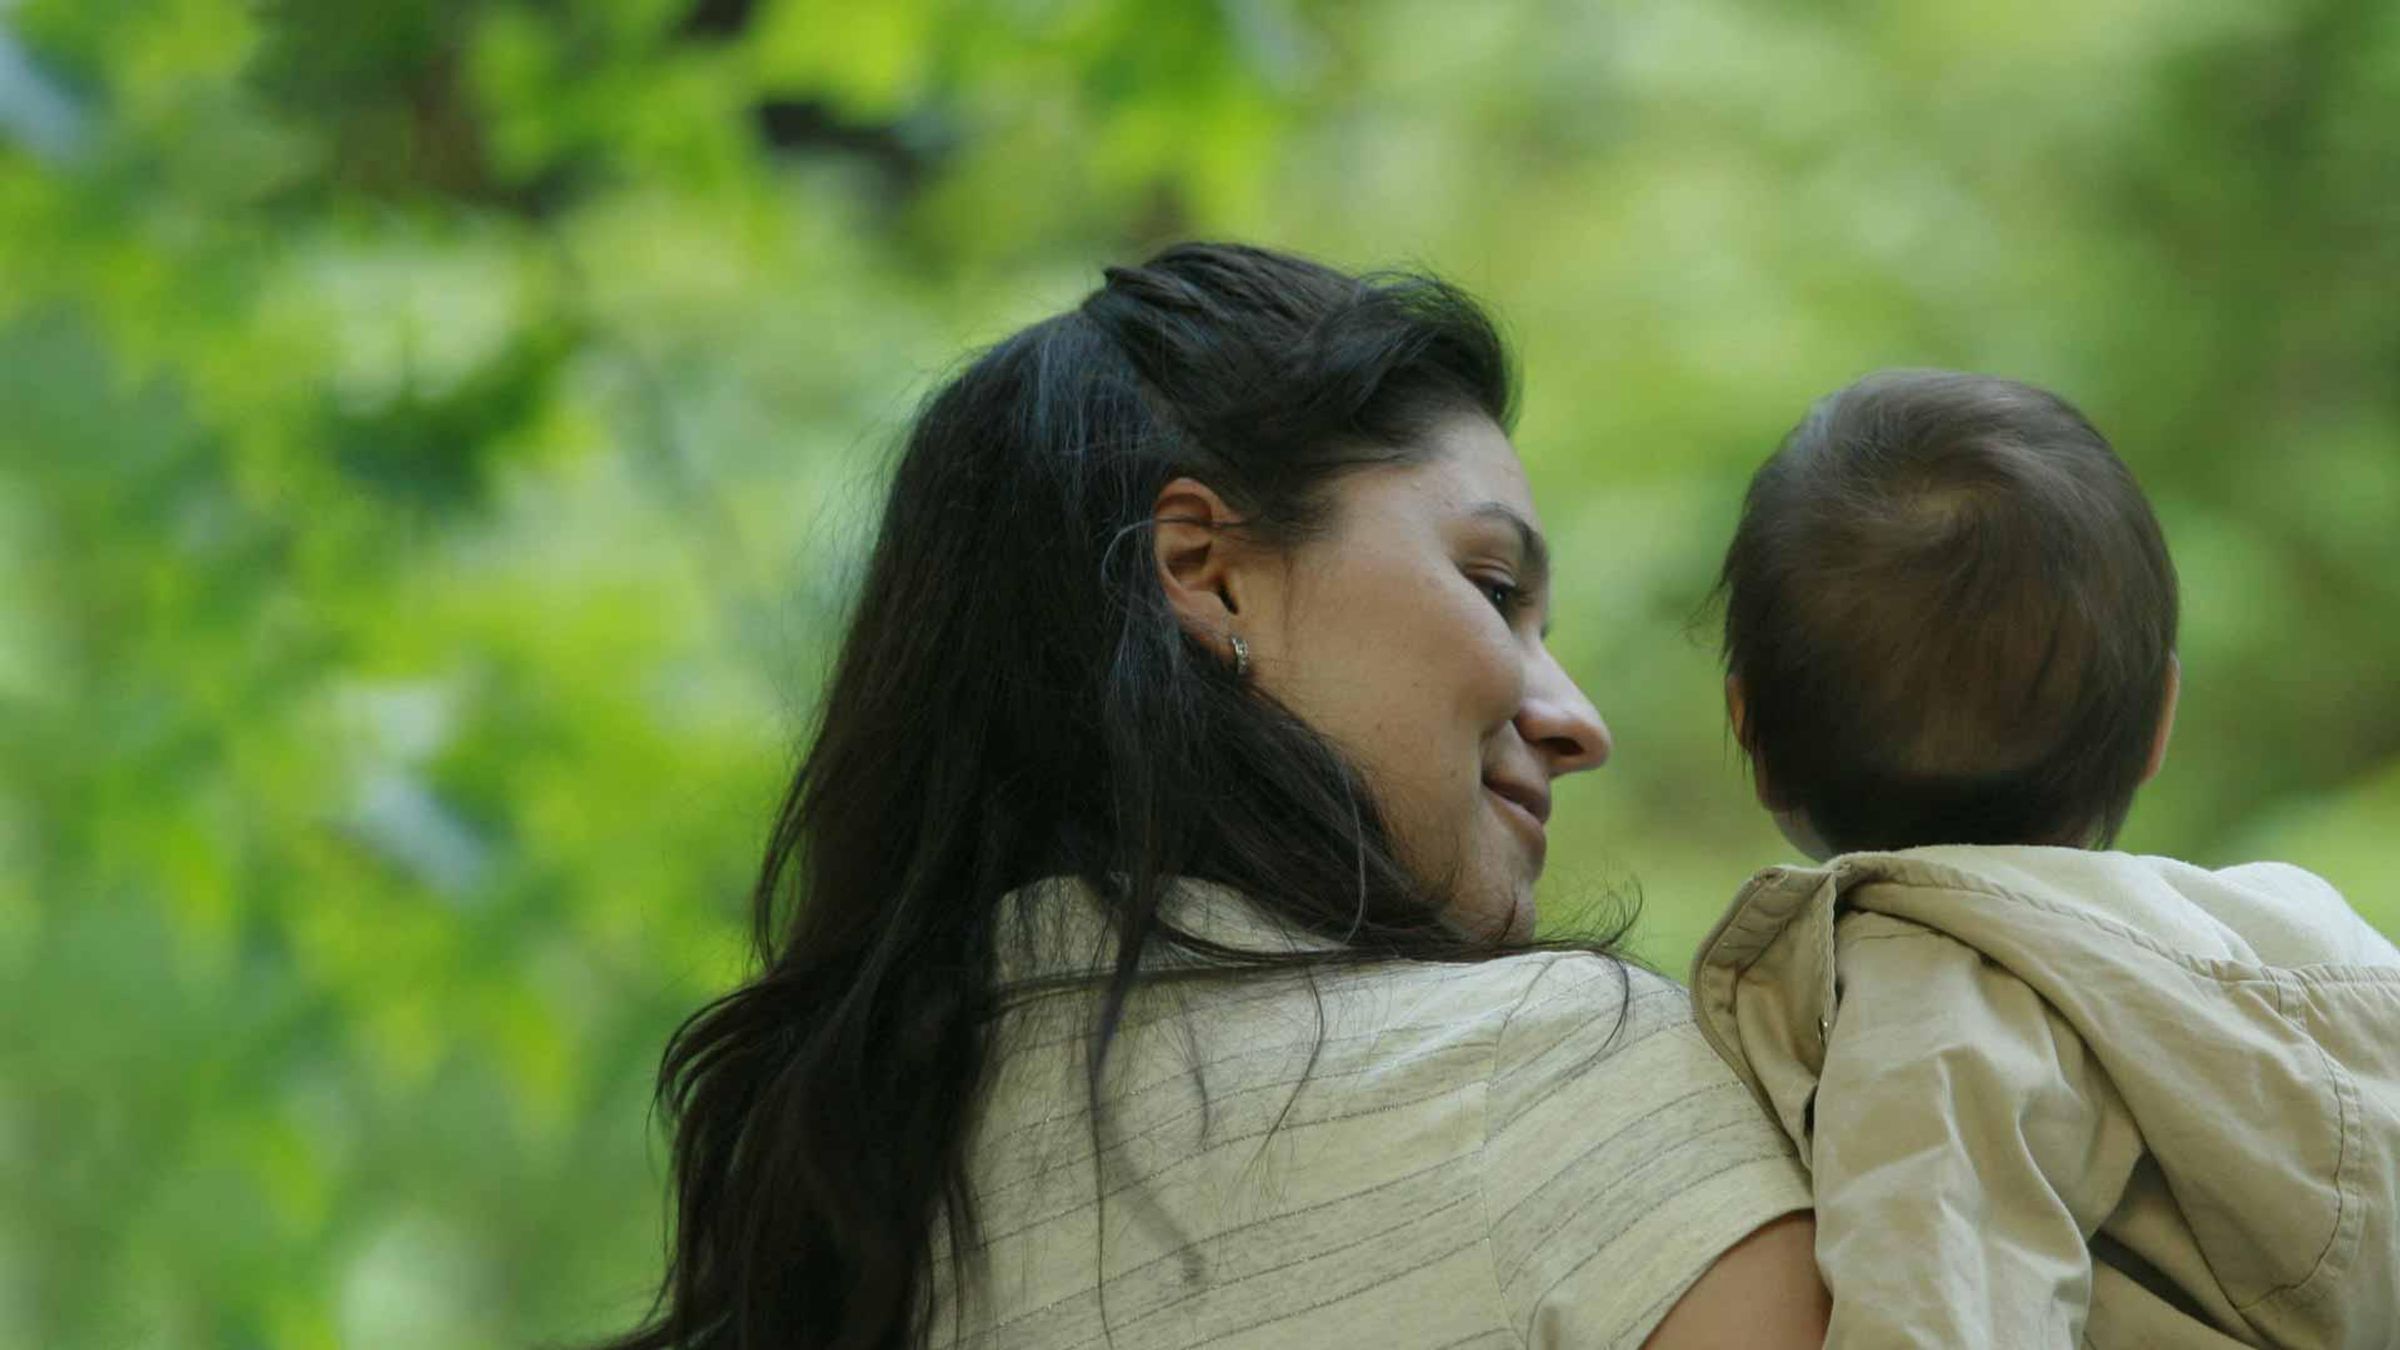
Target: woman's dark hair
1016,700
1952,613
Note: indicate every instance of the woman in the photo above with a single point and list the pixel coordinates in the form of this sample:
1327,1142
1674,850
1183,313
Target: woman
1146,938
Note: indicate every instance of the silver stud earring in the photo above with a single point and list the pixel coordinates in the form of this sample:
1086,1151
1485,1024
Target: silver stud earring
1241,656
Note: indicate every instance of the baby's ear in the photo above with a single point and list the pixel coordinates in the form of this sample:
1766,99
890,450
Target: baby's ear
1794,823
2166,719
1737,711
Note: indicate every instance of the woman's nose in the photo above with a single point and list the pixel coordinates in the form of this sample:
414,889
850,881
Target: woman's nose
1560,723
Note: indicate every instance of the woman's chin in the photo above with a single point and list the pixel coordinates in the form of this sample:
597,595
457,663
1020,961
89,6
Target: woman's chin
1505,913
1521,922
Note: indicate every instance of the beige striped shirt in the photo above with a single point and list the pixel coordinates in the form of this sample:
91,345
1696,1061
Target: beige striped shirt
1538,1150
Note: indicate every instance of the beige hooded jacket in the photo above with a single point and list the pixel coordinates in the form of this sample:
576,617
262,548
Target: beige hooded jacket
2052,1097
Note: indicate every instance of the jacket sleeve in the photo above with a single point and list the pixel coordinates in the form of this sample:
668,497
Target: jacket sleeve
1966,1147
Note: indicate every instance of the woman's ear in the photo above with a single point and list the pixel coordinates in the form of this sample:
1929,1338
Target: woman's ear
2166,719
1198,560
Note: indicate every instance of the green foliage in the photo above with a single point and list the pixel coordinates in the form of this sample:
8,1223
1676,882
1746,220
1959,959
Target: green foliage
435,439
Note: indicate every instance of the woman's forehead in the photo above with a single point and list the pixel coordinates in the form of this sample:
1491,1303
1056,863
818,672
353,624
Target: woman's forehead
1469,469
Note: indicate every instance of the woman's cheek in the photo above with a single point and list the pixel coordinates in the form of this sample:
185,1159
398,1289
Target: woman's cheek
1500,674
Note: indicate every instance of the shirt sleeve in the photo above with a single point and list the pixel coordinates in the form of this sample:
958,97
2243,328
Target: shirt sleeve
1621,1157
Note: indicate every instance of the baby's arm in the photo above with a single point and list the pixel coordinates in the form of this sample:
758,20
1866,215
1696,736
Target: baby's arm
1966,1147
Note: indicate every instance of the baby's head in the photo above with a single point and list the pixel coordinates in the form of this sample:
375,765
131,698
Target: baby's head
1949,619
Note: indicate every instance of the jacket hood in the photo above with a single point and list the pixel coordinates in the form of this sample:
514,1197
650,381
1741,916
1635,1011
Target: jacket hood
2248,1018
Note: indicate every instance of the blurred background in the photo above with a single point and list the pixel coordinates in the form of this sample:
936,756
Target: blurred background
435,438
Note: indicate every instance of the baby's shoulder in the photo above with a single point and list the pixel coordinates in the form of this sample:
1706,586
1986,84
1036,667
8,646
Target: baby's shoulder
2290,915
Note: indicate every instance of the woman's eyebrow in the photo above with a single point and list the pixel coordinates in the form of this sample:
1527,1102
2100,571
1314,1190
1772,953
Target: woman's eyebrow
1536,548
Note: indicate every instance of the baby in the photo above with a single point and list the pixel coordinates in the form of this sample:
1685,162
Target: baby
1949,619
2050,1095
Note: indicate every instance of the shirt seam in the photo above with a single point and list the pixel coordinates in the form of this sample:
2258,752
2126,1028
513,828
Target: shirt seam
2222,970
2338,1083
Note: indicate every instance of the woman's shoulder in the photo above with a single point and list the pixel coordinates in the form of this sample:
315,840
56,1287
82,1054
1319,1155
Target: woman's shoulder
1534,995
1512,1024
1621,1156
1578,1023
1613,1156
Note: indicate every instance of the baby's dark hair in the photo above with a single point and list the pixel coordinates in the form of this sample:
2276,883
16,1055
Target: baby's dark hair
1952,616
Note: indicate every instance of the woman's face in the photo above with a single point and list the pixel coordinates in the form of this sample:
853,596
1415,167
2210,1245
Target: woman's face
1411,634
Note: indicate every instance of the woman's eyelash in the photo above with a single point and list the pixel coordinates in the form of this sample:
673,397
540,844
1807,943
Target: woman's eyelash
1506,596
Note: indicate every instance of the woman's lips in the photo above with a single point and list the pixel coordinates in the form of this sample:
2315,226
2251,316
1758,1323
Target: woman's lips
1527,824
